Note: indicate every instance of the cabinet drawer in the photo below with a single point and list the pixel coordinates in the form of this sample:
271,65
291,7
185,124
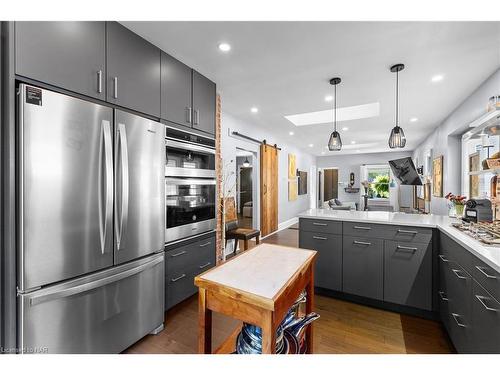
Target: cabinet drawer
322,226
408,234
328,266
487,277
485,321
442,293
363,266
184,258
408,274
455,252
368,230
179,286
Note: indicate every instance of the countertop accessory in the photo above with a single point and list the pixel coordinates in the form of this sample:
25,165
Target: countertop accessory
493,103
335,142
397,138
478,210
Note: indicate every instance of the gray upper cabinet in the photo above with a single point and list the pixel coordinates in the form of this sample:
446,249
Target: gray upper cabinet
69,55
133,71
176,91
203,103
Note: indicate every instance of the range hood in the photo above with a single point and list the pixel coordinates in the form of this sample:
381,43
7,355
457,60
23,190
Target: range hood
404,170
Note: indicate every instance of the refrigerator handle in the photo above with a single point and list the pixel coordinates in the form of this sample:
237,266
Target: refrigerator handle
108,177
124,186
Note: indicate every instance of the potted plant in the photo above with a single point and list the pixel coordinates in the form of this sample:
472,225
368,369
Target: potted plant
457,203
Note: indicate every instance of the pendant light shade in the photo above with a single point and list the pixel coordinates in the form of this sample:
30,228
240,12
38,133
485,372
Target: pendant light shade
335,142
397,138
246,163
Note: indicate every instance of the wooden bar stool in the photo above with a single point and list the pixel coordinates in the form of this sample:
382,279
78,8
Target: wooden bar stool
233,231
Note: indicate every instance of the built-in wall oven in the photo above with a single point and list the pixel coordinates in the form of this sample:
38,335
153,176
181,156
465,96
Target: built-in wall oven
190,185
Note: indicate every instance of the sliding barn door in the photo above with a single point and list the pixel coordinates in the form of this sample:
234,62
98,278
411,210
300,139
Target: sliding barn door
268,189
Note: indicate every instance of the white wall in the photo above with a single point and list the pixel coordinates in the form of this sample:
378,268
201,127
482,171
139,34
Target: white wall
286,210
352,163
446,139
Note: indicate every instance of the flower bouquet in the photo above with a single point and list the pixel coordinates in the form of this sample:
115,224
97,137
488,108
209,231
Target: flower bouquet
457,204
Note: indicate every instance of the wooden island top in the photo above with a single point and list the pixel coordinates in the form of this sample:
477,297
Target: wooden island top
257,287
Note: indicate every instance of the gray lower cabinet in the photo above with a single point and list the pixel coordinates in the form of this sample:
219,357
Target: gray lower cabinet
328,268
204,96
363,267
69,55
133,71
486,320
183,263
176,91
408,274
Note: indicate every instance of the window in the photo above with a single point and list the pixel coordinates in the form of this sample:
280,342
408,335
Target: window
379,179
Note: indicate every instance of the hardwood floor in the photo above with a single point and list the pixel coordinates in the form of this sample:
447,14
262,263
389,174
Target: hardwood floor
344,327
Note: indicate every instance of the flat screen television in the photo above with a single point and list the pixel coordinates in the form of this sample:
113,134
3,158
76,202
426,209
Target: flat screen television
404,170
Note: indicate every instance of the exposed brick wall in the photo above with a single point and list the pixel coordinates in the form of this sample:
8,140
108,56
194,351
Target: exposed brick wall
218,167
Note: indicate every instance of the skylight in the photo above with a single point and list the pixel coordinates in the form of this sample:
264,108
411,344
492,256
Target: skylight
343,114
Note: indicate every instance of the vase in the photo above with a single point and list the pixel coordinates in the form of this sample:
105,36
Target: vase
459,210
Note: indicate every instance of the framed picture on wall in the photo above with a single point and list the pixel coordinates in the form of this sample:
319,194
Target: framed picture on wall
292,190
292,166
437,176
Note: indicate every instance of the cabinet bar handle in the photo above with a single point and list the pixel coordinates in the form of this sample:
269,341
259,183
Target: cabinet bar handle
196,117
189,114
115,87
482,270
320,238
407,231
178,254
206,244
456,316
362,228
204,265
481,298
320,224
442,295
442,257
99,81
178,278
457,274
412,249
362,243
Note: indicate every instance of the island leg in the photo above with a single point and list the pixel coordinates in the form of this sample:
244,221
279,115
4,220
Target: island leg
309,309
268,334
204,324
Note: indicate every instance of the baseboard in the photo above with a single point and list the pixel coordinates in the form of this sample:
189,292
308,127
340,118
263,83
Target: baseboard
284,225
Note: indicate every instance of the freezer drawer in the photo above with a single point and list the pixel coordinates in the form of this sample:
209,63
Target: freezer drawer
102,313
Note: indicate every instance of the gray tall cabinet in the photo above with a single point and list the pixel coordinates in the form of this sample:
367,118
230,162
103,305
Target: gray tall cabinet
70,55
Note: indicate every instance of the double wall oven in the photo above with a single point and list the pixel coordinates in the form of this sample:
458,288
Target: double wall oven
190,184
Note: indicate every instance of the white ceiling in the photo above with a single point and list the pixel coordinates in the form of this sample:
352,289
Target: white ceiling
283,68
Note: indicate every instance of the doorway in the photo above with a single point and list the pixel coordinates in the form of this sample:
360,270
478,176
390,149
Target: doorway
246,189
328,185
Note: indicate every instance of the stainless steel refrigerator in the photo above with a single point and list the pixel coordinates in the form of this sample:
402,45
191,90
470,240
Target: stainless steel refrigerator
91,197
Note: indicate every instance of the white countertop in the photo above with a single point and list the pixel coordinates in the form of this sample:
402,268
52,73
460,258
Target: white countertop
488,254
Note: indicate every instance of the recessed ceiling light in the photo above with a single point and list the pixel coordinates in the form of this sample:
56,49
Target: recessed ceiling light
345,128
254,109
413,119
328,98
311,145
224,47
343,114
353,142
437,78
291,133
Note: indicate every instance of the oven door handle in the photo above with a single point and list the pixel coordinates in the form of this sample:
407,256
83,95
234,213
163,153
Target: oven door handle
189,181
189,146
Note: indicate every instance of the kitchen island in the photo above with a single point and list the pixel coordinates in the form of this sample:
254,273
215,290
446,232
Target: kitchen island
410,263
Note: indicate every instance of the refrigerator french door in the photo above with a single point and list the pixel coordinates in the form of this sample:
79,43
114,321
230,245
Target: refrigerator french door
90,204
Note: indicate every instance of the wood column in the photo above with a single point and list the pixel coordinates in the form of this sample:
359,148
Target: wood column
219,247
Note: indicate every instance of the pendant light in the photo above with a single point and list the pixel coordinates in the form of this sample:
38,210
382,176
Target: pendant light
397,138
335,143
246,163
